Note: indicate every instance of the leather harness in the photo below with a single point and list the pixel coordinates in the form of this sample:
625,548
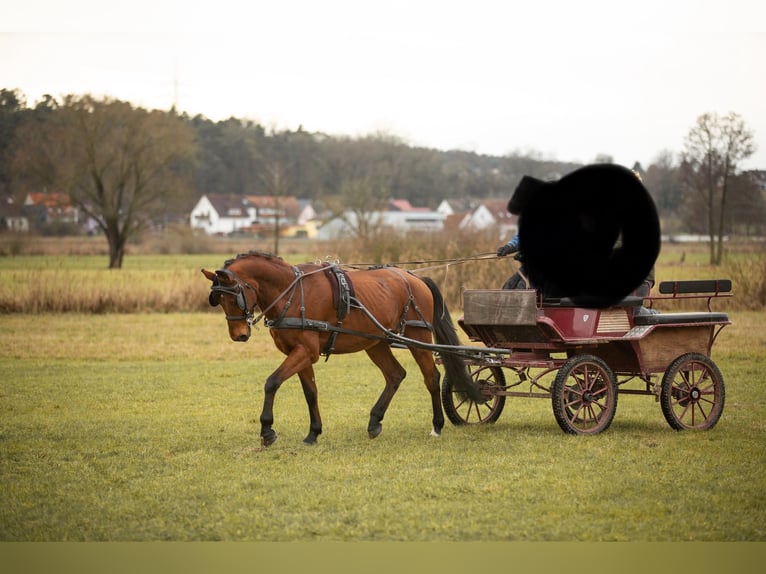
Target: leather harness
342,294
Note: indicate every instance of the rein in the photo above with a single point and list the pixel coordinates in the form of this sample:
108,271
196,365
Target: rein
248,313
433,263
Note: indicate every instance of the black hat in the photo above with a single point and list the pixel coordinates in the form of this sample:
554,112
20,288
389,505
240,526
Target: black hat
592,236
526,188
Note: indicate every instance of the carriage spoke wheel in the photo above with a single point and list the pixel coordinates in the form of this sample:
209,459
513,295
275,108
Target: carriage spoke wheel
692,393
461,410
584,395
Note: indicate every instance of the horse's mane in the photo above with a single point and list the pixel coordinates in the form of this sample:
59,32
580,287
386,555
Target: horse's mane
251,253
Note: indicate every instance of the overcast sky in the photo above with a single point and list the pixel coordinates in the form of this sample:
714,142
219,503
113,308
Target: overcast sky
563,79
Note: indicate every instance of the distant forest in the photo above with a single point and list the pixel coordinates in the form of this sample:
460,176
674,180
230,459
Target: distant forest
240,156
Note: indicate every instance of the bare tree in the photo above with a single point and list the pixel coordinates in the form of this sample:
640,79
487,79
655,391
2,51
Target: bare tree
119,164
360,174
274,178
276,174
712,151
365,199
662,181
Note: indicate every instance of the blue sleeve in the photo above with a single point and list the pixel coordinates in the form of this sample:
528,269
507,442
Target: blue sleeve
514,242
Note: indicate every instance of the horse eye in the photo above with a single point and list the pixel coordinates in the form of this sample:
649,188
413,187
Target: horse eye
241,301
214,299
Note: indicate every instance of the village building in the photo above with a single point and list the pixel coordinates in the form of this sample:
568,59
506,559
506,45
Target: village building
491,214
218,214
45,208
399,216
12,216
456,206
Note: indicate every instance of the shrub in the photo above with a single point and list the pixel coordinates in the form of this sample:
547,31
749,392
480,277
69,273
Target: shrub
748,276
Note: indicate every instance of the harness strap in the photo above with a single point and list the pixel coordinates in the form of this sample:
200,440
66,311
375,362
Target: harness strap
403,322
299,275
343,292
346,302
297,281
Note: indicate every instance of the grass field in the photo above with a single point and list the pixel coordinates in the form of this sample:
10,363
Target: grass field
134,427
127,414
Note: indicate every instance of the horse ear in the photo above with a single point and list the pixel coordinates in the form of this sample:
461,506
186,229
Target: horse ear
209,274
224,277
214,298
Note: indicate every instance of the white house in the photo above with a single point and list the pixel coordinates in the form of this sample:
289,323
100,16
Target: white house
307,212
222,214
11,216
456,206
492,214
270,208
347,224
413,220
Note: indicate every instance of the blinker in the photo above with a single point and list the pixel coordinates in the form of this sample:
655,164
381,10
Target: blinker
236,290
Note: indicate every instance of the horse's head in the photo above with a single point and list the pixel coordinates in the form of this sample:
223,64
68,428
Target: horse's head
231,294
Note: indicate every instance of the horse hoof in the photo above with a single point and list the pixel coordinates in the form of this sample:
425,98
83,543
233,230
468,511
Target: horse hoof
269,438
374,432
310,440
435,432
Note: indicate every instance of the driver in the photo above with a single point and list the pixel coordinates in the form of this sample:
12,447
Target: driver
518,279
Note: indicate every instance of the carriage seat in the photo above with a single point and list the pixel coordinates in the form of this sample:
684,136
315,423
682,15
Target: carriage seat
703,289
680,318
699,286
629,301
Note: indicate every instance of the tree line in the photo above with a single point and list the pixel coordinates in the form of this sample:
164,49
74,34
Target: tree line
128,167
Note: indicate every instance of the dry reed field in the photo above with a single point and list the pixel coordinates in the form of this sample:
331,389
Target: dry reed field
60,276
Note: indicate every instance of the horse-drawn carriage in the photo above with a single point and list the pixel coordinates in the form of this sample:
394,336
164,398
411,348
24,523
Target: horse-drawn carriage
583,359
581,350
580,358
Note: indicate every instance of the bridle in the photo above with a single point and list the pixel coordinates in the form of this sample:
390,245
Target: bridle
238,291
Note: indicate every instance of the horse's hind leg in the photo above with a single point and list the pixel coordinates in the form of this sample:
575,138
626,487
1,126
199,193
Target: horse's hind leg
310,392
431,377
394,374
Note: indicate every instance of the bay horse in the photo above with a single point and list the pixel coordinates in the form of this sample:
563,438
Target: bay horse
298,304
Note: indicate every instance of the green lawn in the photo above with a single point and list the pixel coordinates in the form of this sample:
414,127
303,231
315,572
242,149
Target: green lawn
144,427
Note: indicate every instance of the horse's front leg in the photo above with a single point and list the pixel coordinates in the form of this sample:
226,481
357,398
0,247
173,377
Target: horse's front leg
310,392
297,360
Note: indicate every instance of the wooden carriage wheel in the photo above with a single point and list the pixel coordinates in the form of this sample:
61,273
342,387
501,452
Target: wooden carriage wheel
692,393
461,410
584,395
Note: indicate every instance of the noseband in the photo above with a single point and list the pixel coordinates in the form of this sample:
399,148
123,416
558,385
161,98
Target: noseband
238,291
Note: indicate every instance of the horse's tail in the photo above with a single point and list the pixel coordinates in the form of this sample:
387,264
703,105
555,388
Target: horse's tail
445,334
